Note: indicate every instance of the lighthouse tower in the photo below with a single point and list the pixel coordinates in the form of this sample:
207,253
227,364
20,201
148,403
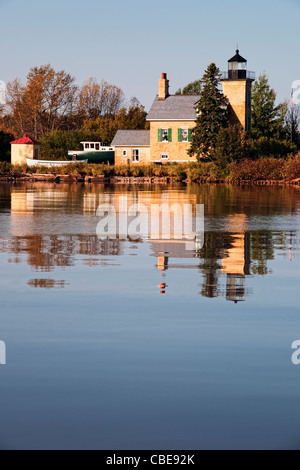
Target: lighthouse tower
237,84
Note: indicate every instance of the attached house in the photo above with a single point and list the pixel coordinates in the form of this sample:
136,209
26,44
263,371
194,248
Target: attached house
132,147
172,118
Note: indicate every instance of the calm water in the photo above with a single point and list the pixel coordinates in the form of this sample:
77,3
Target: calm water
145,344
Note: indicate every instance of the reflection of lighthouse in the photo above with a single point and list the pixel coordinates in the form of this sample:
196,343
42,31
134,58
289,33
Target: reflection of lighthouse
162,265
237,265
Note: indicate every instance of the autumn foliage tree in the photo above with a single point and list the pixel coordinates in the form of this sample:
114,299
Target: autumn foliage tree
99,99
50,107
41,104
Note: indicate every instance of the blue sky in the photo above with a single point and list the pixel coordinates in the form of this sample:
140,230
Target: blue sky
129,43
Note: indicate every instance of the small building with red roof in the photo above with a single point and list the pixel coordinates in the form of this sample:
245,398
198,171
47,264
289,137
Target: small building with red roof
24,148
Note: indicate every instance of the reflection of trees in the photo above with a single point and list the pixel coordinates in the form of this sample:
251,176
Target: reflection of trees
251,256
226,200
210,283
227,253
46,283
211,254
262,250
44,253
5,191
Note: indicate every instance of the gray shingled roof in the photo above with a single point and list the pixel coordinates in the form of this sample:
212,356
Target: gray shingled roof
174,107
131,138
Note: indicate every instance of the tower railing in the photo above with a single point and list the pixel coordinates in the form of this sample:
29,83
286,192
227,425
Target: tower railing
238,75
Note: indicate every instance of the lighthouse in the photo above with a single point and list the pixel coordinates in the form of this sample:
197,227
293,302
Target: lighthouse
237,84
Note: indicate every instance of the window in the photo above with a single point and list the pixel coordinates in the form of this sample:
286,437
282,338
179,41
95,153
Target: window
135,155
92,146
124,153
184,134
164,135
87,146
164,156
97,146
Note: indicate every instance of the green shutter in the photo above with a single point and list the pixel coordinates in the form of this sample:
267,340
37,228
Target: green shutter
179,135
190,135
159,135
170,135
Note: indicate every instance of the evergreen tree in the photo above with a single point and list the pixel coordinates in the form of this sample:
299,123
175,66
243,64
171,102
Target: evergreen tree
212,115
5,140
232,144
268,120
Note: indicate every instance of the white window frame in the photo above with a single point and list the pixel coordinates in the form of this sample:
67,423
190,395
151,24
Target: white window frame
166,155
187,137
138,156
167,131
124,153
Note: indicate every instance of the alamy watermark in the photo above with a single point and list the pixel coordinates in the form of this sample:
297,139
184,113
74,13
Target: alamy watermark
2,93
155,222
295,93
2,353
296,353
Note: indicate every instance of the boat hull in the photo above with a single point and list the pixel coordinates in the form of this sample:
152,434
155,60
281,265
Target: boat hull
107,157
49,163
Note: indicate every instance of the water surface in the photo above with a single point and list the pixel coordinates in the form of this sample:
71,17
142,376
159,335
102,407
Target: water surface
143,344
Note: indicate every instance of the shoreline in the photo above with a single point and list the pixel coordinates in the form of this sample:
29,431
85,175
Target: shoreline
134,180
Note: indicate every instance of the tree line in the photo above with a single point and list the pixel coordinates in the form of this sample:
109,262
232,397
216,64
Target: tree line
274,127
52,108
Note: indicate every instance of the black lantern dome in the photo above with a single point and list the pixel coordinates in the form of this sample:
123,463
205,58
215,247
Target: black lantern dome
237,67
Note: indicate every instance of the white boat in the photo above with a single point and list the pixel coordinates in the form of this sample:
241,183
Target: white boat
95,152
49,163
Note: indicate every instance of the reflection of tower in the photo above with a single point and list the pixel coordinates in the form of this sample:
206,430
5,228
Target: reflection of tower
162,265
237,265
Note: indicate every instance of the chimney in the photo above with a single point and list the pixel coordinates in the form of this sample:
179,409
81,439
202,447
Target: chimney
163,92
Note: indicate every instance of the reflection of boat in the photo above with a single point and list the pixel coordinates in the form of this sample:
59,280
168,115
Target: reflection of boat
49,163
94,152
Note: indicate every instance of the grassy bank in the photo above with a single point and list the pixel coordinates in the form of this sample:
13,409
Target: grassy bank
270,168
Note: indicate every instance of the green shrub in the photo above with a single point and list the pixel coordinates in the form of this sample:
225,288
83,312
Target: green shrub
202,171
265,147
5,167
